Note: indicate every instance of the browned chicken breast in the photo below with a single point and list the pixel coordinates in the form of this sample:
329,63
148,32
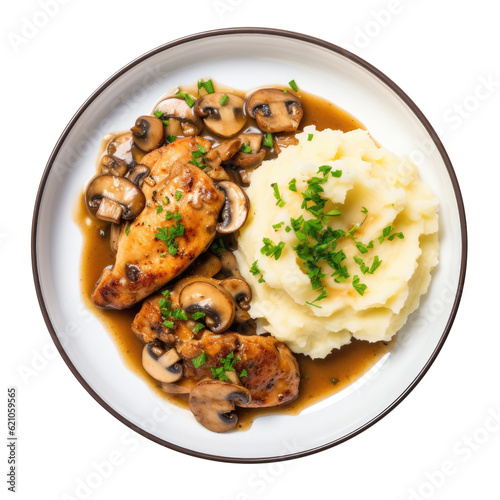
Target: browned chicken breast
272,373
177,224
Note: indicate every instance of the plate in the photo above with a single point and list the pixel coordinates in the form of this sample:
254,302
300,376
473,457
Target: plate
242,58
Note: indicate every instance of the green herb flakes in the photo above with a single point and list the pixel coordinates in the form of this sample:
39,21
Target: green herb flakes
199,360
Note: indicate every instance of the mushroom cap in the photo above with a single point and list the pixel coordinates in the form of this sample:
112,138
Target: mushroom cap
148,133
212,403
234,213
239,289
275,110
225,119
229,264
161,363
122,146
206,265
116,189
242,295
176,108
113,165
213,300
138,174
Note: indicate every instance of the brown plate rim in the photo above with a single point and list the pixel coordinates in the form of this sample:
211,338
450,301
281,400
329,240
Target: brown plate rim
307,39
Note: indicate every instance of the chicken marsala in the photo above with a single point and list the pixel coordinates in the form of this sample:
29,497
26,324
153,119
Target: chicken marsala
148,257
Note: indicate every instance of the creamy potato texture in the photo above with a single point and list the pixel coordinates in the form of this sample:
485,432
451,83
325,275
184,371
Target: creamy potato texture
375,190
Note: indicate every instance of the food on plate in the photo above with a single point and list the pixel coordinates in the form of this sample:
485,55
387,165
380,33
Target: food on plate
244,241
357,236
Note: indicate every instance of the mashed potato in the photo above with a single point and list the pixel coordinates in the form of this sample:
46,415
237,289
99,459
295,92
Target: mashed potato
374,190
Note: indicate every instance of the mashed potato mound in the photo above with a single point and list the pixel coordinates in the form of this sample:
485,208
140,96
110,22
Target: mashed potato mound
375,190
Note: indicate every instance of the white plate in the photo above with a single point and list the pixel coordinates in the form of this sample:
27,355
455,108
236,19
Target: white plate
242,58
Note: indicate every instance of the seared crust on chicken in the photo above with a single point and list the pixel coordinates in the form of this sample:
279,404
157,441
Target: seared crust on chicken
272,373
145,262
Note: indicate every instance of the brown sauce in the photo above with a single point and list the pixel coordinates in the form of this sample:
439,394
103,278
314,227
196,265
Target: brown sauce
320,378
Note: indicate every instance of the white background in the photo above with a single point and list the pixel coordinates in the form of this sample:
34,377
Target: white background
443,441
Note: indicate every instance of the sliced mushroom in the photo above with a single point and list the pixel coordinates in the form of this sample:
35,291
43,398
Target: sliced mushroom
282,141
161,363
182,120
222,153
138,174
275,110
229,265
235,210
113,165
177,389
225,119
242,295
212,403
206,265
253,157
121,198
123,147
240,291
147,133
213,300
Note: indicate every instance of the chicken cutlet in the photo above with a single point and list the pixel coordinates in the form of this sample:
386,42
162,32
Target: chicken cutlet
177,224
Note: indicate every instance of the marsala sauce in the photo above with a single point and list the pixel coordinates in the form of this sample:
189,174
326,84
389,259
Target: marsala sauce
320,378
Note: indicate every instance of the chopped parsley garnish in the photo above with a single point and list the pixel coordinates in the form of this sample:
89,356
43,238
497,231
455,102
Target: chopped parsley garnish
158,113
368,269
270,249
243,373
386,233
184,95
127,228
292,185
198,315
201,151
199,360
321,296
178,195
394,235
173,215
245,148
179,314
280,203
208,86
227,366
166,200
198,154
310,137
223,99
165,122
163,255
254,269
198,327
168,324
168,235
364,210
278,225
217,246
171,138
293,85
359,287
159,209
268,140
